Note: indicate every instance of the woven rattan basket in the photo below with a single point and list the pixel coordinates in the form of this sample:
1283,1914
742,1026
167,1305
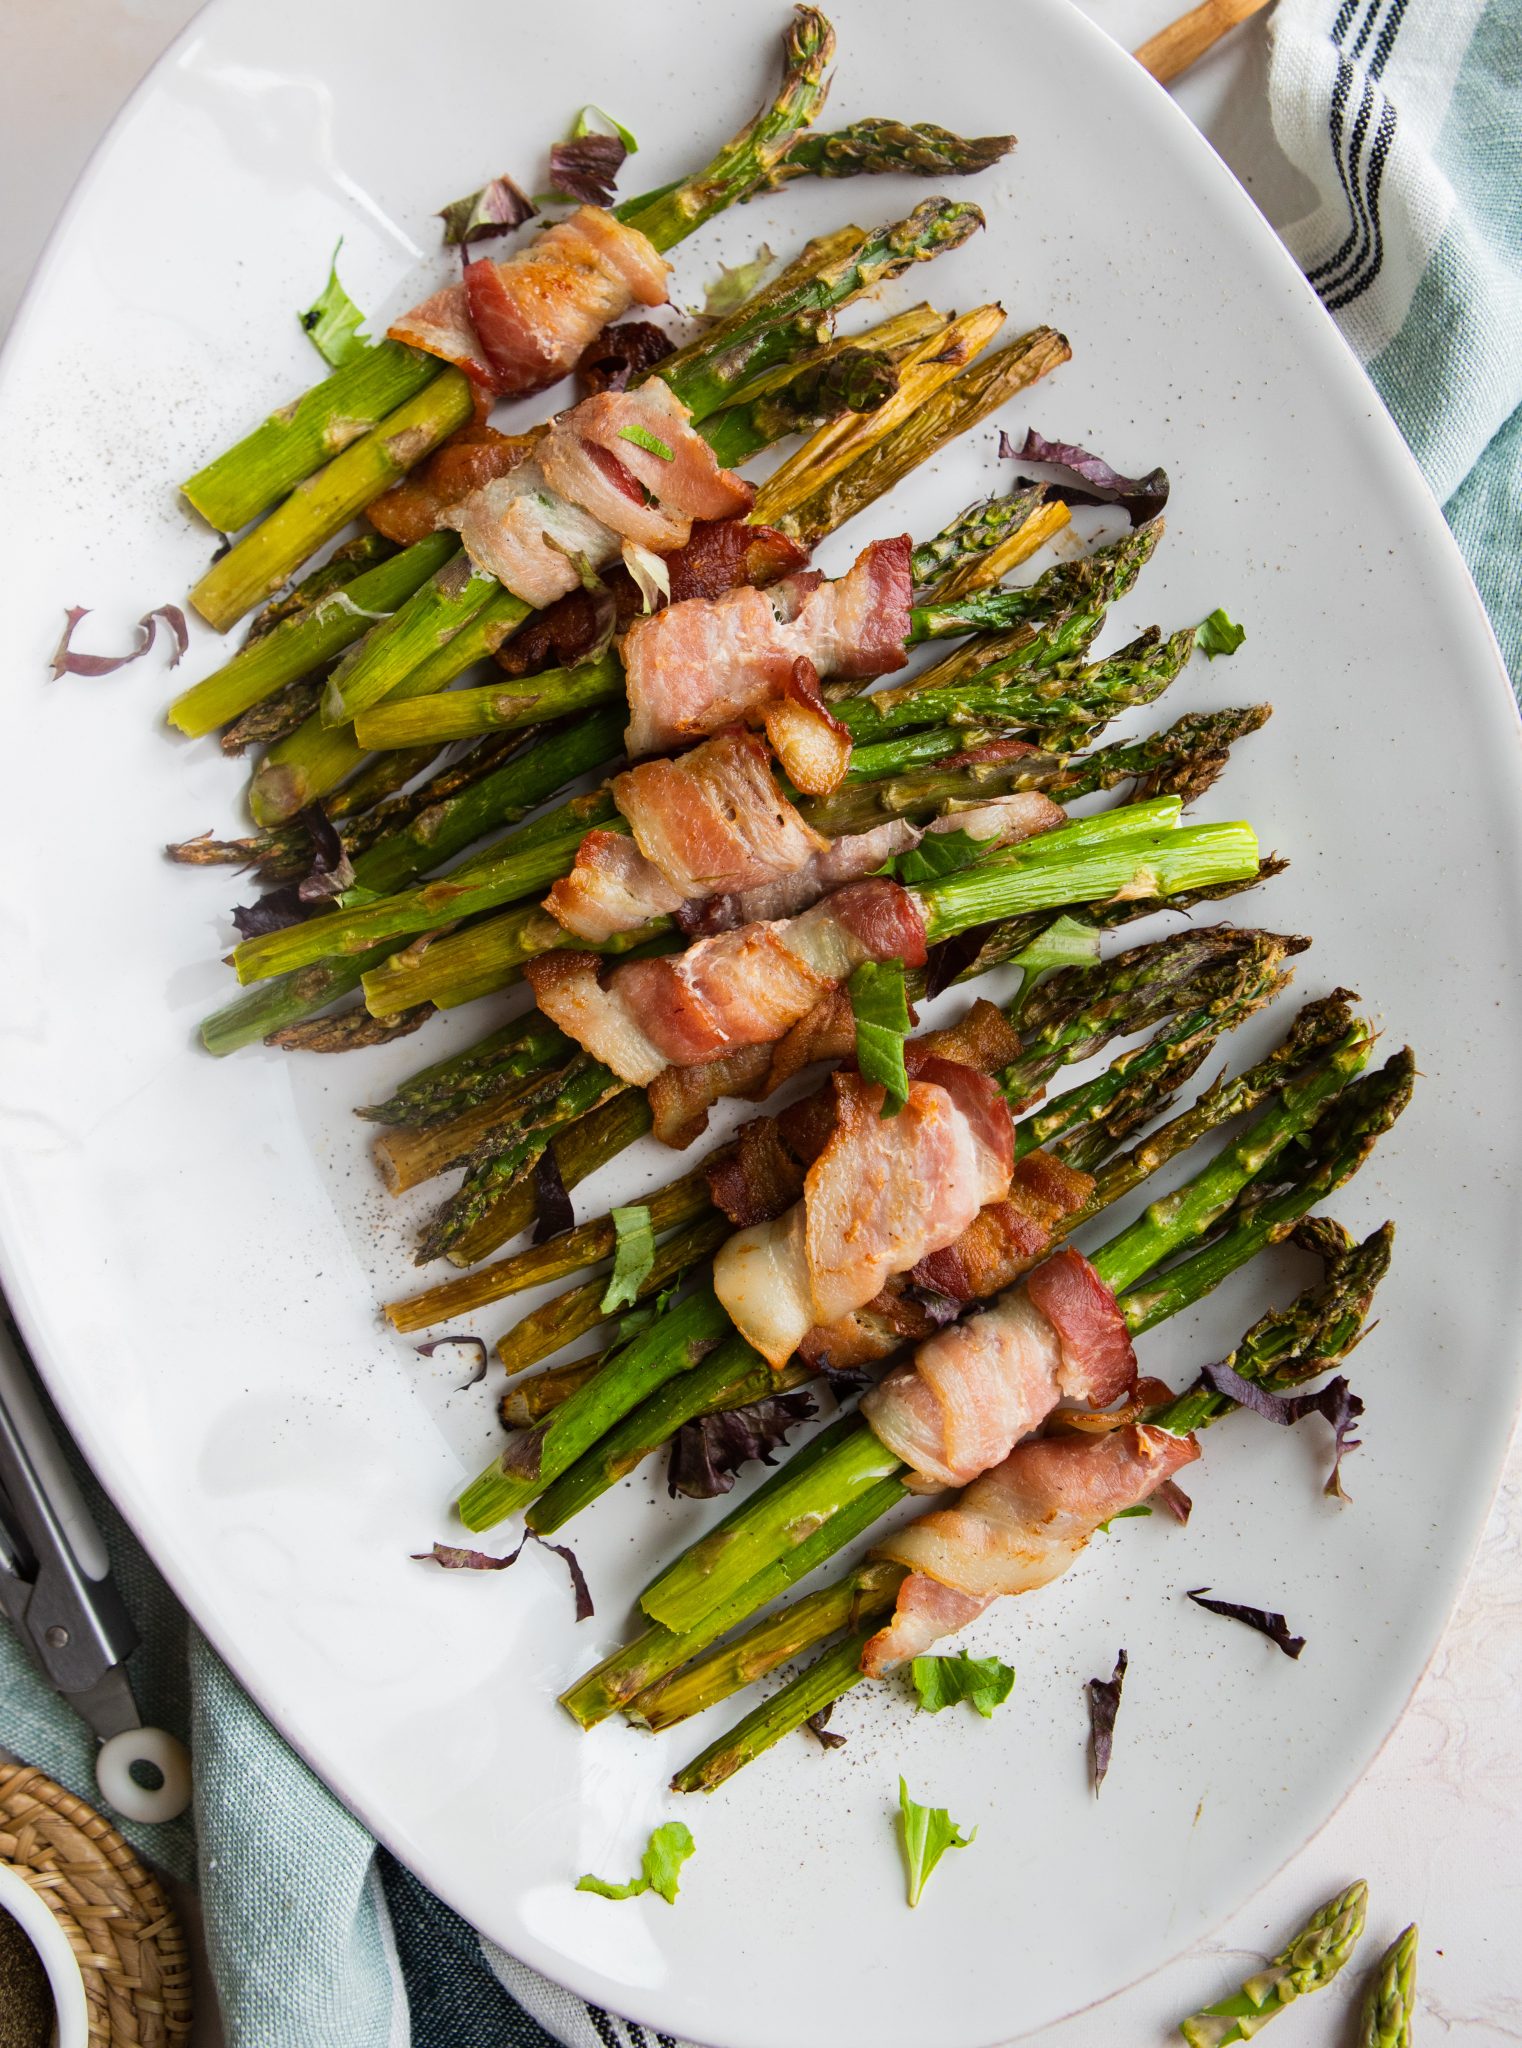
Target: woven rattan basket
119,1924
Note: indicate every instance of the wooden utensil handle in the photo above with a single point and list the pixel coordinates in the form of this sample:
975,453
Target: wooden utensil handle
1183,42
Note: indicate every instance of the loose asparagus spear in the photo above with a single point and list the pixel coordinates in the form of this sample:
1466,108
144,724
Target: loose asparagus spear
1309,1961
1389,2003
876,146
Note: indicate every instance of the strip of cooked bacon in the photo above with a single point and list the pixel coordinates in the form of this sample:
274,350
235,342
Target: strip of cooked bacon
712,821
681,1097
717,844
1016,1528
531,539
518,325
883,1193
720,554
1003,1241
739,988
410,510
580,497
973,1390
704,664
1002,821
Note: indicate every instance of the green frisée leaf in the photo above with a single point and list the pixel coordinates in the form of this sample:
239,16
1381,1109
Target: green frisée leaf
587,124
925,1833
633,1256
735,283
938,854
1124,1515
1219,634
334,321
881,1009
643,438
984,1682
1066,942
660,1867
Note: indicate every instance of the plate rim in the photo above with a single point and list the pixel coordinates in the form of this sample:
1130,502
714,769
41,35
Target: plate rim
1123,76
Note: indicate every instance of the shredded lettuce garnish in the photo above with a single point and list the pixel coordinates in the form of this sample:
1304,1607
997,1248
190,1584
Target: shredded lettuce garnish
984,1682
1103,1696
586,124
926,1833
633,1256
937,854
881,1009
660,1866
333,321
1122,1515
651,443
496,209
1219,634
734,285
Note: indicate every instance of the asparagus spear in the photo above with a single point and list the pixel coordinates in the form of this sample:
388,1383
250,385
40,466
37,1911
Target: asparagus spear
256,566
947,412
657,1651
848,380
492,707
308,639
790,317
257,471
467,1079
864,1596
1389,2003
972,535
877,146
1309,1961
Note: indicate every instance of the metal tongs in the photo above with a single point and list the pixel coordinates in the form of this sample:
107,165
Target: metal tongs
56,1587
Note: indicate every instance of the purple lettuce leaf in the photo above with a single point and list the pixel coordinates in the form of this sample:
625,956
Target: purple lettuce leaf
454,1559
1103,1695
587,167
553,1212
478,1372
707,1452
818,1725
496,209
67,663
1088,479
1274,1626
1336,1403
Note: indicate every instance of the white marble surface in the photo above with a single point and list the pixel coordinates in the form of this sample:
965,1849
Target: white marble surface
1436,1824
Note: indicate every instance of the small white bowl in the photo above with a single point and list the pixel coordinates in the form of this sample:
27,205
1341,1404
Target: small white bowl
31,1913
